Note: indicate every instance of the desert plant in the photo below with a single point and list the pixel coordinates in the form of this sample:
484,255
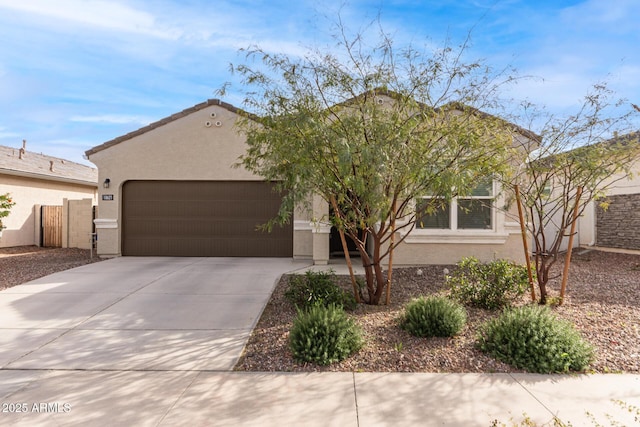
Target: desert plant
318,287
491,285
368,126
436,316
324,335
6,203
533,338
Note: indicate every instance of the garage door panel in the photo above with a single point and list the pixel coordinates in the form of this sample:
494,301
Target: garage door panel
229,247
197,227
202,218
191,208
212,229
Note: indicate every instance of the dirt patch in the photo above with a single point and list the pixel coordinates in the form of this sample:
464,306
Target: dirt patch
24,263
603,301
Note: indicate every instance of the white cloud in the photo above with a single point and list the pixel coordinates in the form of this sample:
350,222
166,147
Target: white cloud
108,15
557,91
5,133
569,49
627,76
165,29
280,47
617,16
112,119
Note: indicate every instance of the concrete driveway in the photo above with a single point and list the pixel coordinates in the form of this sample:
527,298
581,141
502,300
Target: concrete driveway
138,314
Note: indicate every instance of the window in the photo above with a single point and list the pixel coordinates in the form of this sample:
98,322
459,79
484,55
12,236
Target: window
464,213
433,213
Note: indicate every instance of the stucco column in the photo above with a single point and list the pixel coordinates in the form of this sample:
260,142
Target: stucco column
320,231
107,230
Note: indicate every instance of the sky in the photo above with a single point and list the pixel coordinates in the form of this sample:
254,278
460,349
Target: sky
77,73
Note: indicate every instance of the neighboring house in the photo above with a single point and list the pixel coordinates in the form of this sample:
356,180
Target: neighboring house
172,188
617,226
36,179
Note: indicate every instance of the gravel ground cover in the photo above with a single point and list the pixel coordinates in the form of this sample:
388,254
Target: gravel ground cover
21,264
603,302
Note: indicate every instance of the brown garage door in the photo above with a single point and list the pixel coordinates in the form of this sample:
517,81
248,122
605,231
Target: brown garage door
202,218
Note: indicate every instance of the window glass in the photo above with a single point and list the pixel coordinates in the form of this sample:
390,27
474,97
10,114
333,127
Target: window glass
484,189
432,214
474,214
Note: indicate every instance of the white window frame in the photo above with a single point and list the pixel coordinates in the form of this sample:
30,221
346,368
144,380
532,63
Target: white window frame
491,202
497,234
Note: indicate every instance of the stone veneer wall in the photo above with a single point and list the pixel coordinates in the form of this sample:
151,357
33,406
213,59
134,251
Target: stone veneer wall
619,225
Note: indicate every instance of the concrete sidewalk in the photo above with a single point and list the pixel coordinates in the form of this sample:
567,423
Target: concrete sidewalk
175,398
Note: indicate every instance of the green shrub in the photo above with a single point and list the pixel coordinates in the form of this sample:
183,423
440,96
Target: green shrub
532,338
324,335
433,317
492,285
318,287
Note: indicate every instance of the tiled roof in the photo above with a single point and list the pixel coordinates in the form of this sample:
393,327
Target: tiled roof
525,132
631,138
17,161
453,106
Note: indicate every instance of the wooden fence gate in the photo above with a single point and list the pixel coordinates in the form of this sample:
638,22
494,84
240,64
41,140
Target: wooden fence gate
51,226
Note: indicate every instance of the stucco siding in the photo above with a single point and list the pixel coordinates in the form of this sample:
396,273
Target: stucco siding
77,223
622,184
184,149
450,253
202,146
27,193
433,246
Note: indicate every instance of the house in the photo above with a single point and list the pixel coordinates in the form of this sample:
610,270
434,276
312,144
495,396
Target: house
34,180
612,222
173,188
616,227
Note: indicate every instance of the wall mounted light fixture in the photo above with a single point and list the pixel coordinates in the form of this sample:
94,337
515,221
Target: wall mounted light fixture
106,183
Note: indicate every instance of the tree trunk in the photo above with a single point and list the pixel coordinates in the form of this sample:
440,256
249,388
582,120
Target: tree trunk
345,249
543,267
392,242
523,232
368,274
567,261
380,280
543,293
376,282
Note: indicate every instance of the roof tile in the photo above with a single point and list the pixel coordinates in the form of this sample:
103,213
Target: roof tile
17,161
